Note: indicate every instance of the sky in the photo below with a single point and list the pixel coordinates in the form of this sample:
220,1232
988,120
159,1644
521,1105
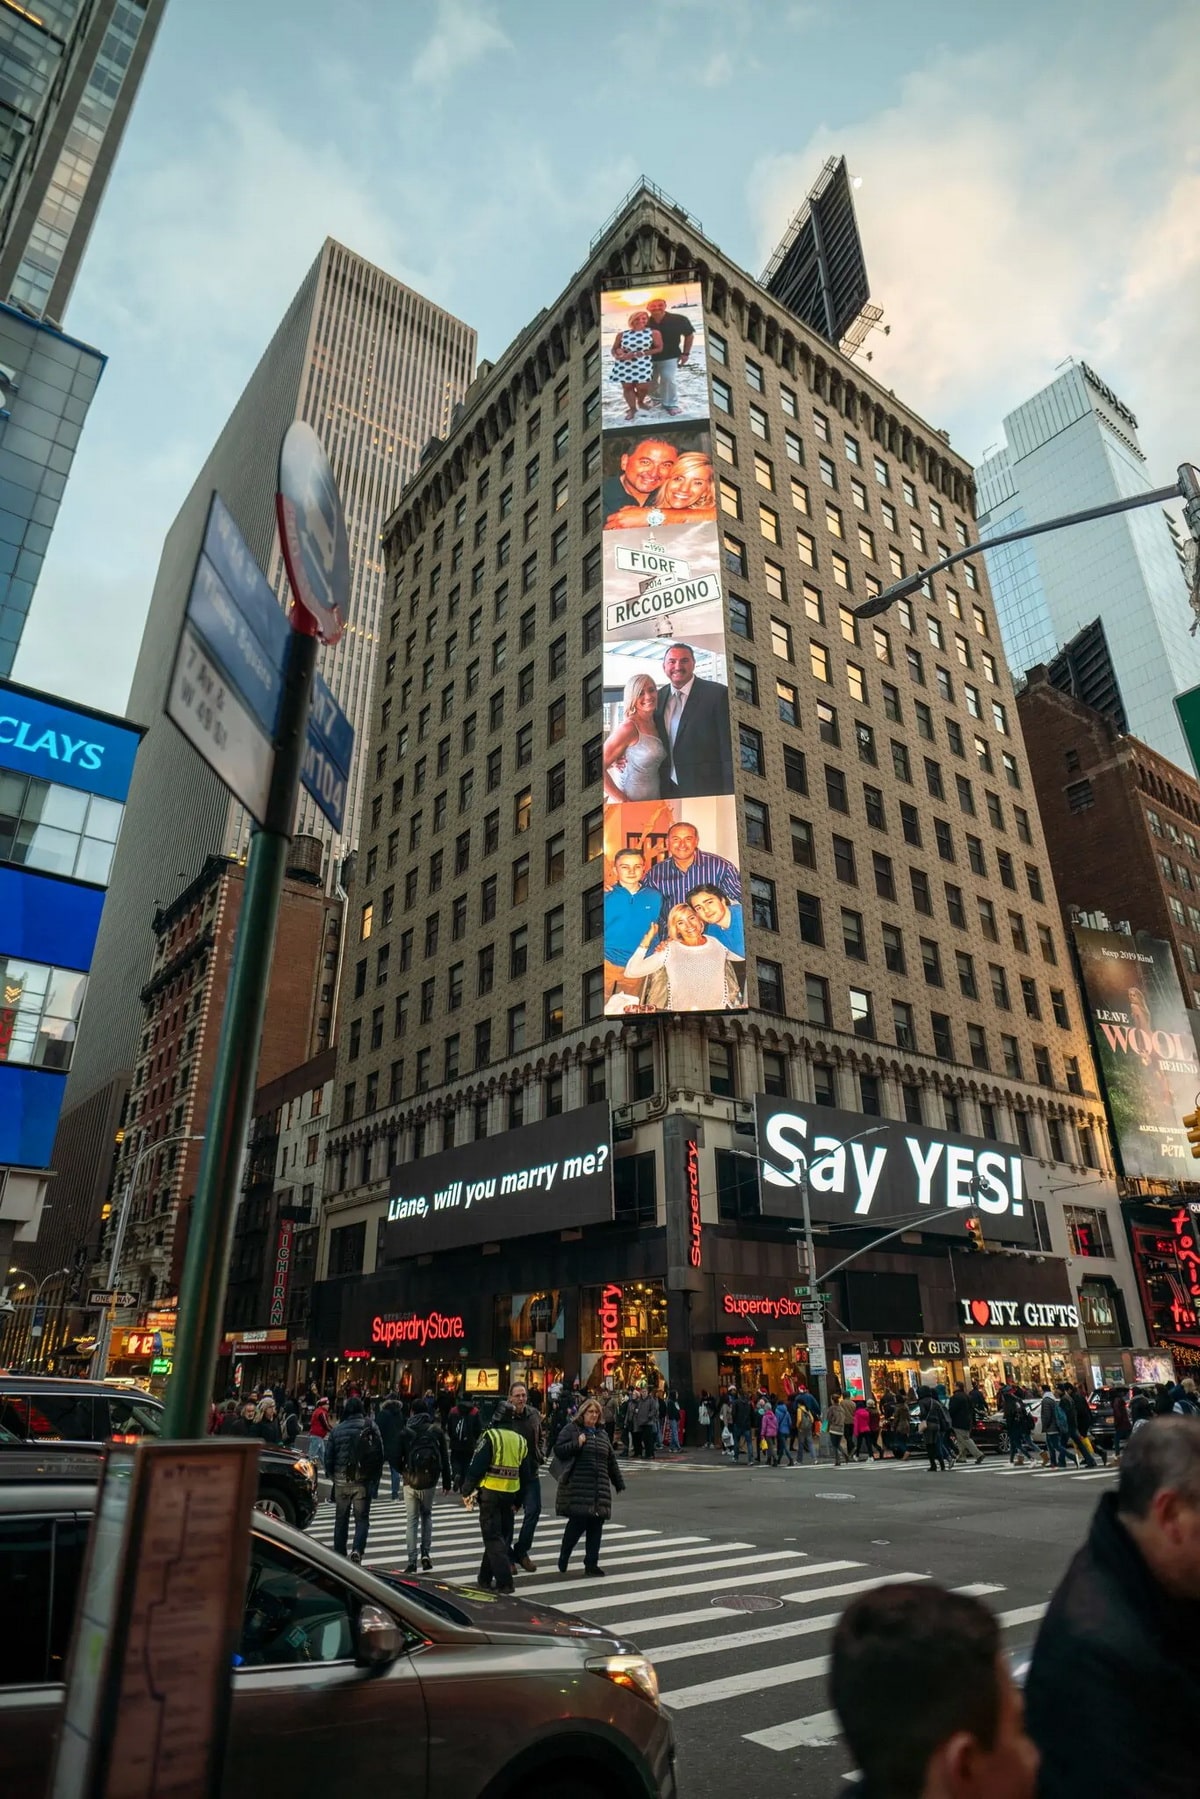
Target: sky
1030,191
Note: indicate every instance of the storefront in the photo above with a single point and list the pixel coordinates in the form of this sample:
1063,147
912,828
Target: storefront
903,1365
251,1359
623,1335
1029,1343
530,1334
761,1342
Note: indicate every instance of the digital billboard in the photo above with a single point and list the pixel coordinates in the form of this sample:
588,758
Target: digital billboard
875,1171
1144,1047
542,1177
674,939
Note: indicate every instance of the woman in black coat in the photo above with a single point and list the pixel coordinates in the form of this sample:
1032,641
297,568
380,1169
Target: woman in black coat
585,1491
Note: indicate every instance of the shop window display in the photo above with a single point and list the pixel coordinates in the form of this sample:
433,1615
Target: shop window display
530,1332
623,1335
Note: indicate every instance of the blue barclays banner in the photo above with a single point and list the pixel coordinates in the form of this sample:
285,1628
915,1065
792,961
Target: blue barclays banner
62,743
44,920
30,1100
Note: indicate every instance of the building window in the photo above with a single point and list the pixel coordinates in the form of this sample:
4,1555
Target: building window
816,1001
770,985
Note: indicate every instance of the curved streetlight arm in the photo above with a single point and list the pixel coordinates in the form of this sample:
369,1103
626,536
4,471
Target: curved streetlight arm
949,1212
1182,489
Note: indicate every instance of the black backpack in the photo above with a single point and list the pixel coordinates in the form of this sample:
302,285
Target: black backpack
364,1462
423,1463
464,1429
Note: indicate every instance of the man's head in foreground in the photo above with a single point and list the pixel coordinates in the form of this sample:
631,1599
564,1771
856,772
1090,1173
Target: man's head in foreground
1158,1500
925,1698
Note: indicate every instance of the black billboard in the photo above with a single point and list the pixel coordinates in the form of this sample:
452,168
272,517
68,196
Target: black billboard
542,1177
882,1171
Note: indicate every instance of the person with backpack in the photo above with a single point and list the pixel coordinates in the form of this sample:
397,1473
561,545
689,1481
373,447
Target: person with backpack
1069,1424
354,1462
463,1425
1081,1411
768,1434
499,1467
935,1425
783,1432
423,1461
1017,1426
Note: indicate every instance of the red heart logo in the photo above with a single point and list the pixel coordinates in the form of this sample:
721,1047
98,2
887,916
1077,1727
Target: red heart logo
981,1311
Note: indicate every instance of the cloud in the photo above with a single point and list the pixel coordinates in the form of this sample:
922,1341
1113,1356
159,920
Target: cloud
1010,219
464,34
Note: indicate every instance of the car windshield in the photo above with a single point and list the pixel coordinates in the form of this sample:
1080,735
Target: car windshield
132,1416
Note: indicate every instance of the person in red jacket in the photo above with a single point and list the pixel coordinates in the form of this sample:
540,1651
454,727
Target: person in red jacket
318,1424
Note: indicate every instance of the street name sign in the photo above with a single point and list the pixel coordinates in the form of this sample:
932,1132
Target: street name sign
328,752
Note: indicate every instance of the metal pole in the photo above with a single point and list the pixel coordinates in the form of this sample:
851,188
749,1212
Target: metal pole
206,1266
99,1367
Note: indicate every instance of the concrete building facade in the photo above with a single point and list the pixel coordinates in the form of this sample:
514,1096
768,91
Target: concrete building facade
377,371
905,953
1122,823
1072,446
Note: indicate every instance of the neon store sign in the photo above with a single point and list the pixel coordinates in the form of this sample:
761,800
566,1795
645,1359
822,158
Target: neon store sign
433,1327
693,1186
608,1317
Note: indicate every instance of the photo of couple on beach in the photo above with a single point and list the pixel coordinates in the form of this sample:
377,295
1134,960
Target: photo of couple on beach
653,363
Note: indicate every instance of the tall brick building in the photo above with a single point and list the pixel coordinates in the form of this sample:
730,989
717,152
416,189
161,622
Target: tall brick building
905,954
183,1007
1122,823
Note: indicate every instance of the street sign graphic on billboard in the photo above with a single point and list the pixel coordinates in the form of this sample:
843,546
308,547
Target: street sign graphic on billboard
541,1177
1144,1046
312,531
867,1170
674,939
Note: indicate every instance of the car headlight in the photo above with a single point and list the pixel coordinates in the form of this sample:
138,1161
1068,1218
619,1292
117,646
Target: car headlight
305,1467
632,1671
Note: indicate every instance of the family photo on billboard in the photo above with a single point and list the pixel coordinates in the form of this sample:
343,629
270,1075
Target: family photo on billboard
674,939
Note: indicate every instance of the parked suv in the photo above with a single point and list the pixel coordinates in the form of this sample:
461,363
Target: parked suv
45,1421
345,1679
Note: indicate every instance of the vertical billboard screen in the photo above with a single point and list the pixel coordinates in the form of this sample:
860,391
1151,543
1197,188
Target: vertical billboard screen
1144,1046
674,939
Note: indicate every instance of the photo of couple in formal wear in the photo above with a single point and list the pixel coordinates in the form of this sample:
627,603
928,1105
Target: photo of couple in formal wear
670,741
653,479
653,354
674,939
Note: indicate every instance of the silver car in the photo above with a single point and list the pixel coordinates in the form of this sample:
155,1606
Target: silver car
350,1679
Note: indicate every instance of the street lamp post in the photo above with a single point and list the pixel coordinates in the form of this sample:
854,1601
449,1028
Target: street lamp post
56,1274
1186,488
99,1366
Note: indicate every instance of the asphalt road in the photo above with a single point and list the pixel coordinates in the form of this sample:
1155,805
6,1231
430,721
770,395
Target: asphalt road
732,1579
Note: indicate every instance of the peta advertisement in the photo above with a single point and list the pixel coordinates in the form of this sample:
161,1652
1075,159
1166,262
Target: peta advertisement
674,939
542,1177
881,1171
1145,1049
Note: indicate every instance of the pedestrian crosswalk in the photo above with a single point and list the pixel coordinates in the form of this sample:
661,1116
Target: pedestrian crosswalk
676,1595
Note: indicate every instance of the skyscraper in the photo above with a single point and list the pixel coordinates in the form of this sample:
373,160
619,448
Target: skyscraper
377,371
1072,446
69,74
882,899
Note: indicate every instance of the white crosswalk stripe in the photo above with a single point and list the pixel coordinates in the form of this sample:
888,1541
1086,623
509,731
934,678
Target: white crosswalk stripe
690,1603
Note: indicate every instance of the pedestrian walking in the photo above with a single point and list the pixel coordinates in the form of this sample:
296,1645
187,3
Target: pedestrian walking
391,1425
265,1423
901,1432
424,1460
495,1474
783,1432
704,1417
768,1434
671,1427
1082,1410
935,1422
354,1462
1054,1426
1016,1425
861,1428
962,1417
644,1420
806,1442
463,1425
526,1421
1068,1424
838,1419
585,1492
1122,1423
320,1424
744,1425
1116,1664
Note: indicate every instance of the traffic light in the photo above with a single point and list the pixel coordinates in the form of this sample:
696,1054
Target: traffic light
1191,1124
975,1234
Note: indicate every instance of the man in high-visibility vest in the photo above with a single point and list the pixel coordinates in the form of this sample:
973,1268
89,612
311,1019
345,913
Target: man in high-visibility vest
496,1471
